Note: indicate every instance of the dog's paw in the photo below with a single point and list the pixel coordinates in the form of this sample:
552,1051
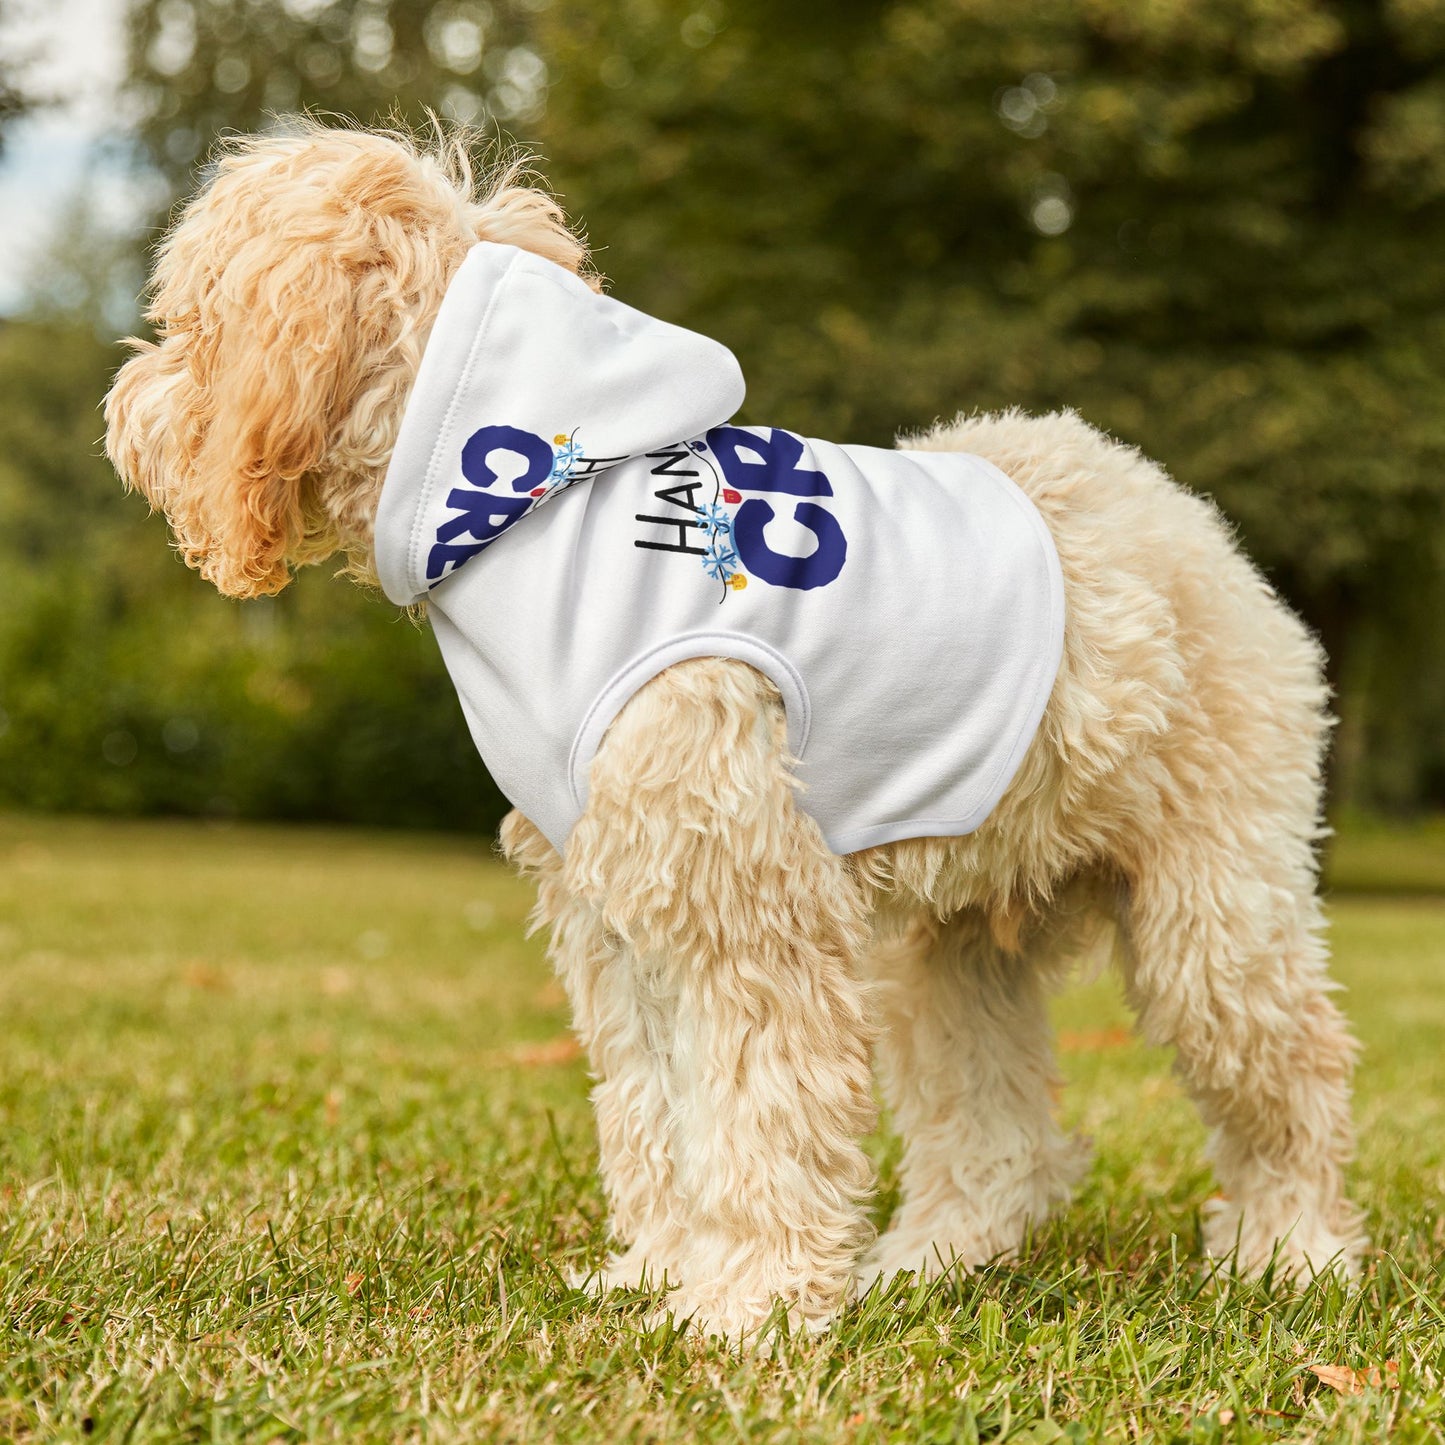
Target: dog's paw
967,1227
906,1253
633,1270
1299,1245
753,1324
957,1242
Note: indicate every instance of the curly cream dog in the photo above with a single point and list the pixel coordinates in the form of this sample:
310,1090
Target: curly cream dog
731,976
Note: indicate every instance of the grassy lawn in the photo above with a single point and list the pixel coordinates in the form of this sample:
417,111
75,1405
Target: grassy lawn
1371,856
292,1146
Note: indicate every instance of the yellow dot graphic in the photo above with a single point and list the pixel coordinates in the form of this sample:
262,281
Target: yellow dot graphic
737,581
560,440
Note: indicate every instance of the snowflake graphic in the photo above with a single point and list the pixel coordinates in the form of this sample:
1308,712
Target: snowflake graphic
716,519
569,453
720,561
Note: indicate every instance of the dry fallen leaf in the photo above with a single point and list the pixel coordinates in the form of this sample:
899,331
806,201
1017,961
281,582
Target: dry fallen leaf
1347,1381
202,975
555,1051
335,982
551,995
1081,1043
354,1283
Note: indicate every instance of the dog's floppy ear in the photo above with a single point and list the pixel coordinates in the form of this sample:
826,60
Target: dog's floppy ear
221,422
274,366
275,353
145,413
292,301
287,289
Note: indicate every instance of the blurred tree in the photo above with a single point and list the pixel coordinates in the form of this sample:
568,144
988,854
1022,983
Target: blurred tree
15,98
202,67
1216,227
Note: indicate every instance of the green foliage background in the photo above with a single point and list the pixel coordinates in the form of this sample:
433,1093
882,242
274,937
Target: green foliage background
1215,227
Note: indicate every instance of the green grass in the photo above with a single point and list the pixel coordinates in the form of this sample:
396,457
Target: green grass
1373,856
284,1155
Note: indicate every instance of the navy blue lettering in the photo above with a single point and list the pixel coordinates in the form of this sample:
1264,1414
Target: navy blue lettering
485,441
482,516
817,569
753,463
776,468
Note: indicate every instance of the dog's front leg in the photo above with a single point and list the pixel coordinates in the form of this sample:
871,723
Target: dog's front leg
622,1011
740,929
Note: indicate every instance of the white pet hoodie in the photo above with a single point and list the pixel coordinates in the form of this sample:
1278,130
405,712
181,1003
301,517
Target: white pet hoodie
567,494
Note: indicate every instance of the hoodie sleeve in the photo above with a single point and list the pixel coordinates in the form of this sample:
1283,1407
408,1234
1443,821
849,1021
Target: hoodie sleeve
524,351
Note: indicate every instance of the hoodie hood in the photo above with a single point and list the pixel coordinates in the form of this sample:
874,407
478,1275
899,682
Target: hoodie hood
531,383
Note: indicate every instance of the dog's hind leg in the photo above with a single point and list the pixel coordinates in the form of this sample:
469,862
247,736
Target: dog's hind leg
966,1060
694,854
1224,950
1225,960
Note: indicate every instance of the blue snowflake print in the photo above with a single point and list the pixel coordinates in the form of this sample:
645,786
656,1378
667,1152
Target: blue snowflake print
720,561
716,519
569,453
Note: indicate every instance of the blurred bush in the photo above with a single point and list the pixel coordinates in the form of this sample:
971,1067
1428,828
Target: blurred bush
128,686
1215,227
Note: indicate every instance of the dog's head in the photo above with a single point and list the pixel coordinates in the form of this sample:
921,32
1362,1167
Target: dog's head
291,302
